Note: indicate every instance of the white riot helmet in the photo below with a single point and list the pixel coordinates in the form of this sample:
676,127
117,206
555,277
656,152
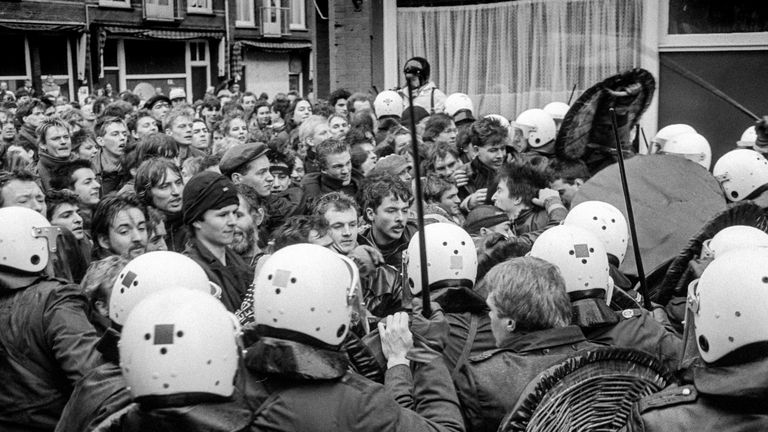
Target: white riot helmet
691,146
579,254
388,104
459,106
740,172
535,126
732,238
151,272
557,110
748,138
666,133
729,303
604,221
309,290
26,239
451,258
179,341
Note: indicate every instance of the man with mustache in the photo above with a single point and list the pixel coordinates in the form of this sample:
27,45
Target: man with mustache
210,205
250,214
119,227
386,203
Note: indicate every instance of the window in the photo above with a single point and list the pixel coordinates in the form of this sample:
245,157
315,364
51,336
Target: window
115,3
298,15
705,25
245,15
161,10
199,6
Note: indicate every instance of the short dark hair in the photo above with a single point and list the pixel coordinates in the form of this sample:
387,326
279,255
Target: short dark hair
436,124
152,172
296,229
119,108
487,131
157,144
278,157
100,128
374,190
280,106
64,175
328,147
80,136
134,119
523,181
569,170
55,198
108,208
26,109
357,97
131,98
439,151
338,201
336,95
435,186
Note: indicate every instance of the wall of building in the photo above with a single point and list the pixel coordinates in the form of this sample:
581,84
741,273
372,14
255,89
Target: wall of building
266,72
350,46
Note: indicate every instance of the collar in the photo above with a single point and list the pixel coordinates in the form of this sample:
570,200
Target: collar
206,254
294,360
746,380
478,165
16,281
522,342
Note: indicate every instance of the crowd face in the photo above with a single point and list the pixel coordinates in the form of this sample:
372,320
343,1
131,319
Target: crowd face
361,105
371,160
491,155
35,117
66,216
156,240
24,194
238,130
445,167
144,127
343,229
244,235
127,234
321,133
87,150
166,195
7,128
181,130
449,201
201,138
57,142
263,116
341,107
86,187
388,219
338,127
448,135
248,102
339,166
301,112
567,191
160,110
258,176
114,140
502,200
281,179
298,170
217,226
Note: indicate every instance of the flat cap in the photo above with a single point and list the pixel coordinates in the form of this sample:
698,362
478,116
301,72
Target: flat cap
240,155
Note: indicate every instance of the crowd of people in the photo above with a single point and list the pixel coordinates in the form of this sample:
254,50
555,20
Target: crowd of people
242,263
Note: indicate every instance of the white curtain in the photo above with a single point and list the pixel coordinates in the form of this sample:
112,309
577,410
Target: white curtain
512,56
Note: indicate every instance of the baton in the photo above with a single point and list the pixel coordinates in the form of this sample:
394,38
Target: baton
630,214
426,307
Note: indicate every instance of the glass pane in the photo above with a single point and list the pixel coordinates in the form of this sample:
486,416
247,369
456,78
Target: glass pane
53,55
705,16
164,85
154,57
14,61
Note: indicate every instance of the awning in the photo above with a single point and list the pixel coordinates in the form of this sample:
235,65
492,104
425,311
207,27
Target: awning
284,46
164,34
51,26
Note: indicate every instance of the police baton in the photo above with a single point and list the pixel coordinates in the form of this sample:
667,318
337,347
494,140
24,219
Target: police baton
426,307
630,213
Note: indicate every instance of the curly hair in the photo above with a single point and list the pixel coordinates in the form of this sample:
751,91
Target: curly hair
487,131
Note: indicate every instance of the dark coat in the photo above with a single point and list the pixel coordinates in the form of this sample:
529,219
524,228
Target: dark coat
178,233
317,184
233,278
726,398
393,252
638,329
46,346
101,393
490,384
480,176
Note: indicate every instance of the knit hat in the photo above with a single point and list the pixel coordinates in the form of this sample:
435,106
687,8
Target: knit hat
484,216
205,191
418,113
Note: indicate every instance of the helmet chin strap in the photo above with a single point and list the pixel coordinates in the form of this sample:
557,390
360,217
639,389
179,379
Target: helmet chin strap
50,233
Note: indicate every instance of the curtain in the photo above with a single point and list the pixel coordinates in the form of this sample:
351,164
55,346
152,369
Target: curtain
512,56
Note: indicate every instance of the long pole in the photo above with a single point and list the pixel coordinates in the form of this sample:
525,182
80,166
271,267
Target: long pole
630,213
426,308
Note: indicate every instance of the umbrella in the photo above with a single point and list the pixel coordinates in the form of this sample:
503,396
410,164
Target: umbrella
672,198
